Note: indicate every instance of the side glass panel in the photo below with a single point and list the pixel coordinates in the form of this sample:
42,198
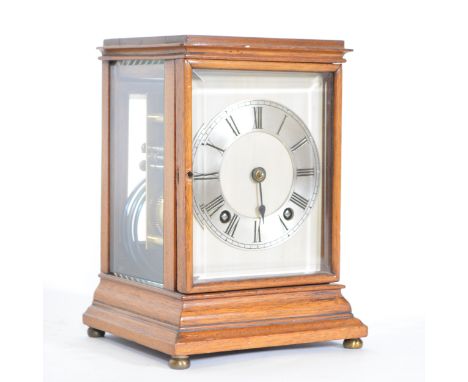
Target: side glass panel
262,150
137,170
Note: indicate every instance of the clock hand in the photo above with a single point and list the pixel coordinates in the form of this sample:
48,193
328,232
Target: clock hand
261,208
259,175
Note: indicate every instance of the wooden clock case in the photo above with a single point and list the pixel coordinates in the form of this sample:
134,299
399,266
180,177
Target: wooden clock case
183,318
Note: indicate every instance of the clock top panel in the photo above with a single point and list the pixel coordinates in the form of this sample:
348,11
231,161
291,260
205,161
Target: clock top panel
219,47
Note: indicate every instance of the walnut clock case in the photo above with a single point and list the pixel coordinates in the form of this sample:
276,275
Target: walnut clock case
221,195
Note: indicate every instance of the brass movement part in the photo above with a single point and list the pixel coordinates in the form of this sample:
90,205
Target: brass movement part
258,174
179,362
156,117
352,343
160,210
155,239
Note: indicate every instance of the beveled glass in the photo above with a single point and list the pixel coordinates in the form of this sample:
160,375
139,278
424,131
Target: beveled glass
281,123
137,170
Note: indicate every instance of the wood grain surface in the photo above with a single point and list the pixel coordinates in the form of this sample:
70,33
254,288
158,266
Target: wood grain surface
220,48
178,324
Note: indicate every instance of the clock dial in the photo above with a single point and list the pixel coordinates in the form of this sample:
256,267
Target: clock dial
255,174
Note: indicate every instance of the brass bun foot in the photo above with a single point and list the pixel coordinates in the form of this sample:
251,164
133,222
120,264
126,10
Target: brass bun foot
95,333
179,362
352,343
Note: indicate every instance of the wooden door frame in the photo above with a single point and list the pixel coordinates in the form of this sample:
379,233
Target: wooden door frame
183,100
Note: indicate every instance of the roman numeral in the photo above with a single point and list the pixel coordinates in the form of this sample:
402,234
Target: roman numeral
299,200
258,117
232,125
305,172
257,232
212,207
299,144
207,176
282,222
231,229
214,147
281,125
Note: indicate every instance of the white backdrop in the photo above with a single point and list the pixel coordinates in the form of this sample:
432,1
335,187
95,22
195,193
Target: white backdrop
404,187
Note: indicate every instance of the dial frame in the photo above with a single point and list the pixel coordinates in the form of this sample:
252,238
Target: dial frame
184,182
205,218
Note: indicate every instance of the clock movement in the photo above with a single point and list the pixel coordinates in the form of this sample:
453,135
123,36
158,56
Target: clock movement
221,195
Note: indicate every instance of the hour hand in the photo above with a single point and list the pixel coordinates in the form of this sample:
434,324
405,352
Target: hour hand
259,175
262,212
261,208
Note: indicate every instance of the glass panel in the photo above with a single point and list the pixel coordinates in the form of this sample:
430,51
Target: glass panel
261,160
137,170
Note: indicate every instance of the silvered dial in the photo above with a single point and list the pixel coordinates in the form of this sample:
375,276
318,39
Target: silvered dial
255,174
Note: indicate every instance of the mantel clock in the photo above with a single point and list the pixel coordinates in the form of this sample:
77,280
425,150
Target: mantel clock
221,195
